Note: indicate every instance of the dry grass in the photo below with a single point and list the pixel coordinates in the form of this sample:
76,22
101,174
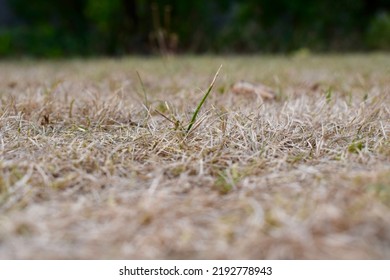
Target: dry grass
88,169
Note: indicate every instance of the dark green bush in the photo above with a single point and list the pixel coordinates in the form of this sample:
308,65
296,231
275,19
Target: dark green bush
378,33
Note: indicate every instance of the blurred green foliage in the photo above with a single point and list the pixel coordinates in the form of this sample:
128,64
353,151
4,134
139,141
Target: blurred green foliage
378,35
117,27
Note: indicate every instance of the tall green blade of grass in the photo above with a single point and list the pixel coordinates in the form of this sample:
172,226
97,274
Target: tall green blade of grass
193,119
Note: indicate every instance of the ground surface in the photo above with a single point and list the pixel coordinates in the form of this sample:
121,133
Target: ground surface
89,169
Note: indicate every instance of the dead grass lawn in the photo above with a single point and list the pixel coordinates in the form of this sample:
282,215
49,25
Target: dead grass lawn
90,170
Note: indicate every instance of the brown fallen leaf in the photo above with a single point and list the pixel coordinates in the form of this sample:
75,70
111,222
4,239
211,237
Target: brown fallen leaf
12,84
253,90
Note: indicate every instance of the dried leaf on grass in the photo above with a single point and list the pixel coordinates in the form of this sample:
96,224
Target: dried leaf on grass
253,90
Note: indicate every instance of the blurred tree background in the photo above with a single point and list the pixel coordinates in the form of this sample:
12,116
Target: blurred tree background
43,28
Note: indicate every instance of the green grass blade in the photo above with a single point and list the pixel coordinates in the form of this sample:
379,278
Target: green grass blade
193,119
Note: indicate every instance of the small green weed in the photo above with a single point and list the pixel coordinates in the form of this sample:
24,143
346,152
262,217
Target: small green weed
381,191
227,179
356,147
329,95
